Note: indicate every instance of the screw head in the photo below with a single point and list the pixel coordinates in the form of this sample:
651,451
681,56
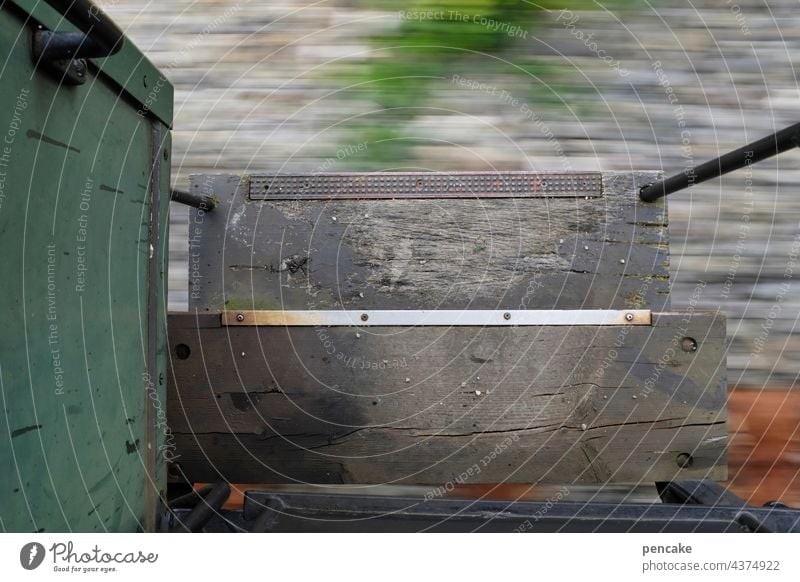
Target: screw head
629,316
364,317
240,317
684,460
689,344
506,315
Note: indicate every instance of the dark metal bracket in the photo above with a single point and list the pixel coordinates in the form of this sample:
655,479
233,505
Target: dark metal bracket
63,54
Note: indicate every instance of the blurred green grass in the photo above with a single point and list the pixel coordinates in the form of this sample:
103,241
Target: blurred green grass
476,39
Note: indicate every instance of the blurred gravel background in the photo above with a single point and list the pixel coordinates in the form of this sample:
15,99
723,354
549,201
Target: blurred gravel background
295,86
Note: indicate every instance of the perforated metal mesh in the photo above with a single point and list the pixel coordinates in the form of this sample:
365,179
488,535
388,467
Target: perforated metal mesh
424,185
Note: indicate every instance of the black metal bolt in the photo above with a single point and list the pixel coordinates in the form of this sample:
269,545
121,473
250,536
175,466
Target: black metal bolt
689,344
684,460
240,317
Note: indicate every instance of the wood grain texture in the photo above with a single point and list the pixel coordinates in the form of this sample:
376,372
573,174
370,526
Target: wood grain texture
424,405
564,253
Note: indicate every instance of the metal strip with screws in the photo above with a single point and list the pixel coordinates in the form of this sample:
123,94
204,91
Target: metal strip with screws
409,318
420,185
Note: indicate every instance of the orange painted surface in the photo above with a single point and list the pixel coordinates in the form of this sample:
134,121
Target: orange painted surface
764,445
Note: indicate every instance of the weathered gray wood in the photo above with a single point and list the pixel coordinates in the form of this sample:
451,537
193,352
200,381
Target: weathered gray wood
532,253
423,405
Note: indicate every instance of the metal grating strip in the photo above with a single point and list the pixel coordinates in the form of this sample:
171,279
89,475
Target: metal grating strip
416,185
448,318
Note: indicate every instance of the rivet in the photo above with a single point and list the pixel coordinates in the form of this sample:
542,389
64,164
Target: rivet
364,317
629,316
684,460
506,315
240,317
689,344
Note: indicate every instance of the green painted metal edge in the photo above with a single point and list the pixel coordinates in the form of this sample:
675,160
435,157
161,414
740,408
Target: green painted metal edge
129,68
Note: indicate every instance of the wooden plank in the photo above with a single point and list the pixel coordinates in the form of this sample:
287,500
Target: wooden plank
424,405
607,252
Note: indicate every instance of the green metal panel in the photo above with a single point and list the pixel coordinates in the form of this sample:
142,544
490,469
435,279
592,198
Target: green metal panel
84,183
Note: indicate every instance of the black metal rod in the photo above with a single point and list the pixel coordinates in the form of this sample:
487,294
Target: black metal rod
207,506
207,203
756,151
99,36
189,499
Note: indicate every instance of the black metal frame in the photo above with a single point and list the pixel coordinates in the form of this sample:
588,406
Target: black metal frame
688,506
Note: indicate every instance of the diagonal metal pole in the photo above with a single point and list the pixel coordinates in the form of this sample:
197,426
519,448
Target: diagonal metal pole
756,151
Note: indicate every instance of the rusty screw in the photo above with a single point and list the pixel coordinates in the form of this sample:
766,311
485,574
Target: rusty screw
506,315
240,317
364,317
